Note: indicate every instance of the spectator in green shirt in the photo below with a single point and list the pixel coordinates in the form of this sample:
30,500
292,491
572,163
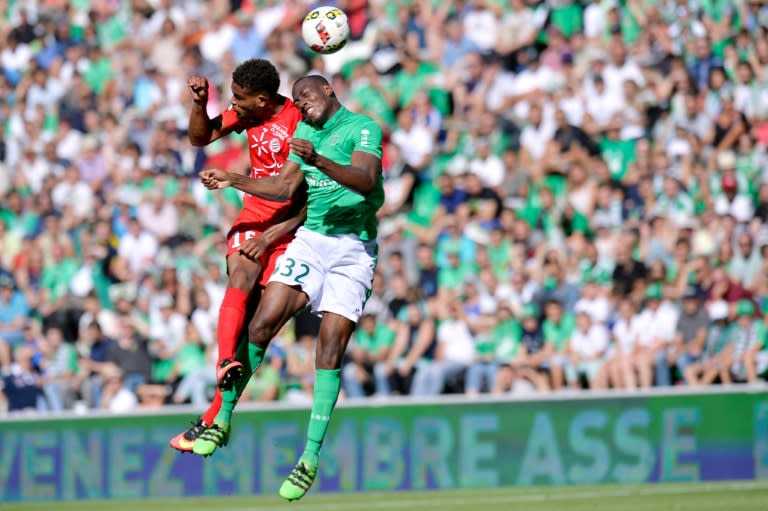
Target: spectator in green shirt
617,153
746,335
451,276
558,327
368,352
412,78
498,343
264,385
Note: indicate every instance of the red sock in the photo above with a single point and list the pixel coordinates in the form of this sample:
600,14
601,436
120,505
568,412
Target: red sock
213,410
231,319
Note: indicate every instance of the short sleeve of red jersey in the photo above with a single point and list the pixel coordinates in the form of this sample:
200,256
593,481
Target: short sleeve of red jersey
230,121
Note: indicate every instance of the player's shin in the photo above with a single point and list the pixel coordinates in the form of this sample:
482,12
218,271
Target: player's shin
327,387
301,478
251,356
231,321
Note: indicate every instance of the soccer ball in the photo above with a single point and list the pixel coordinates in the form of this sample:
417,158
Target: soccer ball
325,29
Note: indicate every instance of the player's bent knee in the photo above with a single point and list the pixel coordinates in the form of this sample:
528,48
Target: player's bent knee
260,332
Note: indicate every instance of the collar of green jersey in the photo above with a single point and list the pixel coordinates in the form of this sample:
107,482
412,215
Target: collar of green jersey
334,119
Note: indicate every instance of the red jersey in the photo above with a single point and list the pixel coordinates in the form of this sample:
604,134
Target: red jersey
268,148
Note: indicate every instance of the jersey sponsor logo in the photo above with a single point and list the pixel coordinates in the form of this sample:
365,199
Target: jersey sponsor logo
264,145
321,183
318,417
364,137
279,131
334,139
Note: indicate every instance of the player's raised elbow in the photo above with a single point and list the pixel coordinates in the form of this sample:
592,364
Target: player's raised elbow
367,187
366,181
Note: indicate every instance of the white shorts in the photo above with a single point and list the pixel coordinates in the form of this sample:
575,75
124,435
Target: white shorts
335,271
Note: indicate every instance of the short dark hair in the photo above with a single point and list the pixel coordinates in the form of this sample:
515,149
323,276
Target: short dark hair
317,79
257,75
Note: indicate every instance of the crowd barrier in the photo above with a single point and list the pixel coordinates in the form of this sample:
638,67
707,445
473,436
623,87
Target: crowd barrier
398,445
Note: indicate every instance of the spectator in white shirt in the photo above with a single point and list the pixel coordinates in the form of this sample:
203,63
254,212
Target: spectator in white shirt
33,168
116,397
204,317
535,136
481,25
486,165
167,328
620,364
74,194
520,290
595,17
40,92
455,343
15,56
731,202
619,70
158,216
602,105
137,247
68,141
218,39
659,320
594,302
586,351
415,141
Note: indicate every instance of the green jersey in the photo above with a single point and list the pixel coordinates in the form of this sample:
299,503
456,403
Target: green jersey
506,337
559,333
383,337
331,207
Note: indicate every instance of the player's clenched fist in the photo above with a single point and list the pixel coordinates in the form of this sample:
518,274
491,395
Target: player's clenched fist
303,149
215,179
198,87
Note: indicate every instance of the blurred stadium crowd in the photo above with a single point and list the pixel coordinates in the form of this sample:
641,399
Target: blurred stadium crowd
576,196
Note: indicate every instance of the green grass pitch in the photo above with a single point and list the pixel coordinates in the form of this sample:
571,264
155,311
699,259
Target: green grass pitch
729,496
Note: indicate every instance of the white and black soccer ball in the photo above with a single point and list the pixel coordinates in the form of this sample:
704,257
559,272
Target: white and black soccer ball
325,29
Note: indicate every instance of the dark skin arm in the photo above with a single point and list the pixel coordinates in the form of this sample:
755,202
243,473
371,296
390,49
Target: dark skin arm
254,248
277,188
202,129
360,176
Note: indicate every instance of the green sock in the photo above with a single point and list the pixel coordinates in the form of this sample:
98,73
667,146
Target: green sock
251,361
250,356
327,387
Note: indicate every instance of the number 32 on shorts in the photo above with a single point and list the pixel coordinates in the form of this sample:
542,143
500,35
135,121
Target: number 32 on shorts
289,268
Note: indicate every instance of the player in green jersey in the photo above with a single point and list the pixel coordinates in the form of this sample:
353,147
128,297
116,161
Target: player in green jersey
329,265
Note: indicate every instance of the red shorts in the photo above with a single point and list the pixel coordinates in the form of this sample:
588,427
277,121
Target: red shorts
248,226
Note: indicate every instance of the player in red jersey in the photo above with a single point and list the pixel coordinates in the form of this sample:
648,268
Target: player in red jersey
258,236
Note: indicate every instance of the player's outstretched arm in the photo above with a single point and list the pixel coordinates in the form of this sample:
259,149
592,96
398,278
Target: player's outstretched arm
202,129
277,188
360,175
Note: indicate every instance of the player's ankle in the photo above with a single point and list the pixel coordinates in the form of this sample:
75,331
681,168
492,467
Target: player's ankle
311,458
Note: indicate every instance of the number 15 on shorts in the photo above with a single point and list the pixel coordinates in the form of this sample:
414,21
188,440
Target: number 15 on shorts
288,267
